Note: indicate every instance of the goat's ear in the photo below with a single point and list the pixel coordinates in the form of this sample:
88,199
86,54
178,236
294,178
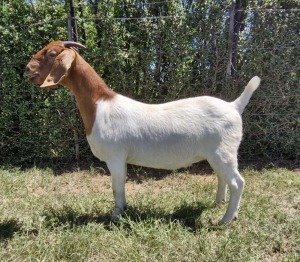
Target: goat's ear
61,65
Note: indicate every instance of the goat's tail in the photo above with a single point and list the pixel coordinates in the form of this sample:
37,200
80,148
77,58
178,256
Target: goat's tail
241,102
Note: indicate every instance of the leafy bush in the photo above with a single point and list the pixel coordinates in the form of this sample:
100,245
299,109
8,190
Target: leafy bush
153,52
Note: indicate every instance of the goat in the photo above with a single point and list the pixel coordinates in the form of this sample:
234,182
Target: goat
171,135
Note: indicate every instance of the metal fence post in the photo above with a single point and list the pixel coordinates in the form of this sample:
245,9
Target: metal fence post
73,36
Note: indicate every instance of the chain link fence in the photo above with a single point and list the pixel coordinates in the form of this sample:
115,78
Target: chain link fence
154,52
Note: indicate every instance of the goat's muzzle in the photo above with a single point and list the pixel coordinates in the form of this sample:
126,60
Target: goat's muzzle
31,71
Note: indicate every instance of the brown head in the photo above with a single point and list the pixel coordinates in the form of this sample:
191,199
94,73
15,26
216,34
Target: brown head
49,66
59,63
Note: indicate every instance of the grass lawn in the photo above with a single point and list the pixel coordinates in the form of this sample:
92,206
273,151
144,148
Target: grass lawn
66,217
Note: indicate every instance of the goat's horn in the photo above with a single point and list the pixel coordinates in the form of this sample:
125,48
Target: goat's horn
73,44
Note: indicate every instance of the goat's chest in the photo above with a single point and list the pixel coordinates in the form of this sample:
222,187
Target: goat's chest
107,137
103,144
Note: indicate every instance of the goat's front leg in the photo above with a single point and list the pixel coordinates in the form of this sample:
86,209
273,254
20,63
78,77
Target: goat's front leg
118,173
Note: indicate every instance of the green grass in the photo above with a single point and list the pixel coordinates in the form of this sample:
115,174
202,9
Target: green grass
44,217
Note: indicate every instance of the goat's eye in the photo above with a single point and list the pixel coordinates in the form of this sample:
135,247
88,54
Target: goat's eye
52,54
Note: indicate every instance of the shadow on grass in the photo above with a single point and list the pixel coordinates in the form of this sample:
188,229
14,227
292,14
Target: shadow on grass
187,215
8,228
67,217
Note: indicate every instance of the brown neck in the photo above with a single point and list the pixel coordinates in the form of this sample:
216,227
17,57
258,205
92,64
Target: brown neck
88,88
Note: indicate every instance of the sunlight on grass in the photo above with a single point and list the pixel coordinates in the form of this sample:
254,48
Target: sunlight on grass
45,217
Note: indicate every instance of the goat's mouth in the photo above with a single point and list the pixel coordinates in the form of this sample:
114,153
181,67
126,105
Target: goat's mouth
31,77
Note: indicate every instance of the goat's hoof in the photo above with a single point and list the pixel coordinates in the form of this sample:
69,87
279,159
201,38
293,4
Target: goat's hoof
217,204
227,221
220,202
115,217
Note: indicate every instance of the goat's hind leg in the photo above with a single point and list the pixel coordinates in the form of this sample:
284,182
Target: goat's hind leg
236,186
222,190
228,174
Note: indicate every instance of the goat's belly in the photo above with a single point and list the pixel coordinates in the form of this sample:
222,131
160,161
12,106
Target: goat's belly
168,159
154,155
163,165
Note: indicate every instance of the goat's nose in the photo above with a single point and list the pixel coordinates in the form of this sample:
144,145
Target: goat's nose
27,69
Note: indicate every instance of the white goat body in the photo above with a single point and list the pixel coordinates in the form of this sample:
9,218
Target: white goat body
167,136
170,136
121,130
